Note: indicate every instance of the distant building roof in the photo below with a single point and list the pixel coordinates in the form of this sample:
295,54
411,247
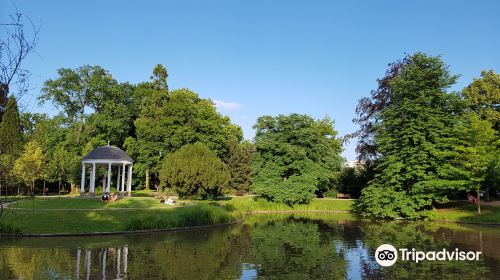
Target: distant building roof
108,153
354,163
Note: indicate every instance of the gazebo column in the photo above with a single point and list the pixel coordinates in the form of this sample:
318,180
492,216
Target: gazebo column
108,182
122,190
82,184
104,189
129,181
125,259
92,181
118,179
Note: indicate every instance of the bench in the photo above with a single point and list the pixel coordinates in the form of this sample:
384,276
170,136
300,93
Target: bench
343,196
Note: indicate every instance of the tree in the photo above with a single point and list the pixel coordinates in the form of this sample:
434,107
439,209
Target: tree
195,171
368,111
29,167
11,142
492,180
239,160
483,97
172,119
159,78
15,47
297,157
61,164
114,124
10,130
475,152
414,139
353,179
74,91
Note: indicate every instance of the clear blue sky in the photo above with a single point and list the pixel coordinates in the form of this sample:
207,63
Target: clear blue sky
266,57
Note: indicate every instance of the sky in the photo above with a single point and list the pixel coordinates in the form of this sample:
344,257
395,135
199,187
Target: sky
261,57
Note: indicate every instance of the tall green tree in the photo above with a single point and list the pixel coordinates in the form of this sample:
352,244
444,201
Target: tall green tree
483,97
195,171
297,157
77,90
159,79
475,152
11,143
61,165
172,119
29,167
239,161
413,139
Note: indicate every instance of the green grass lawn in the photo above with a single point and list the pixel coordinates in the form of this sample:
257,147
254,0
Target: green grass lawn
250,204
466,212
92,220
87,203
76,215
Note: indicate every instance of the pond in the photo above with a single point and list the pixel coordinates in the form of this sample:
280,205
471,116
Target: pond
297,246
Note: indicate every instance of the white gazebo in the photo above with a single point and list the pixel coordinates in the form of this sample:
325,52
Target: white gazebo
111,157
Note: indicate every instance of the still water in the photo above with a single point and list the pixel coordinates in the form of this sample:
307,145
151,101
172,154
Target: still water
294,246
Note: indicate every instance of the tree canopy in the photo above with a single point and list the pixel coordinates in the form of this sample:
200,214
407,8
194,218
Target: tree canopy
297,157
75,90
171,119
483,96
414,139
11,142
239,160
29,167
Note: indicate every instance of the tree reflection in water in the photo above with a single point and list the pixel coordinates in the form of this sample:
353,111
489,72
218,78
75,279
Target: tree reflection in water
265,246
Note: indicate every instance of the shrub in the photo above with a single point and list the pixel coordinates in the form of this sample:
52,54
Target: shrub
195,171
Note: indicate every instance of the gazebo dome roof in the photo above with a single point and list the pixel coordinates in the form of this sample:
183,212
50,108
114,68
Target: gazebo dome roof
110,153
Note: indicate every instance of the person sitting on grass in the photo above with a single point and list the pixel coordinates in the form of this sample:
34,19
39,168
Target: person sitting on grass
162,200
170,201
114,197
105,197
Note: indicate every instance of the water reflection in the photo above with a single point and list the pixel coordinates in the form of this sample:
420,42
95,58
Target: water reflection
115,259
265,246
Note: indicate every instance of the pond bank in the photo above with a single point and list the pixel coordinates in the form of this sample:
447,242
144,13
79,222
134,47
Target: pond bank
76,217
129,232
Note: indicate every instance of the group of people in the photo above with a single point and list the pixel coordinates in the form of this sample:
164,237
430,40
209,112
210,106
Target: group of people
473,199
168,201
107,198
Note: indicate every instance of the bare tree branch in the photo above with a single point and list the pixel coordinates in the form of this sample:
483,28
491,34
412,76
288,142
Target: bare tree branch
15,47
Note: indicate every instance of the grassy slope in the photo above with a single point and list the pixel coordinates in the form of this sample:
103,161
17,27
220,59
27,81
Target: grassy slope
249,204
49,221
466,212
72,215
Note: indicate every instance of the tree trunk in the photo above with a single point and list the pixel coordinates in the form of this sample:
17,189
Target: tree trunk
33,188
147,179
488,198
59,186
478,200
